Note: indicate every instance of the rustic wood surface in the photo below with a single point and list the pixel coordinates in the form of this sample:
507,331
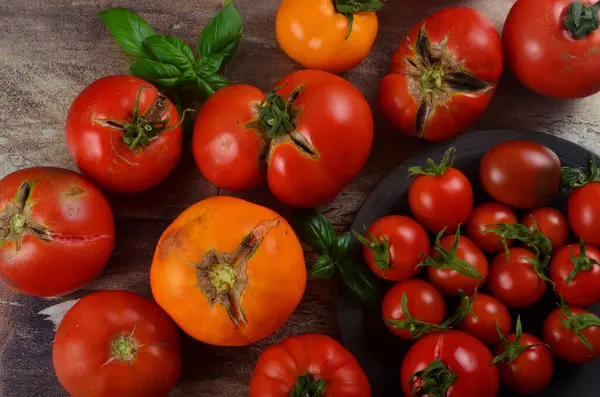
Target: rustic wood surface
51,49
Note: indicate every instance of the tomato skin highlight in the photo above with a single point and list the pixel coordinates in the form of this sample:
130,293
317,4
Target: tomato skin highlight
100,152
489,311
319,356
488,214
78,228
81,352
565,343
551,222
584,288
313,33
584,213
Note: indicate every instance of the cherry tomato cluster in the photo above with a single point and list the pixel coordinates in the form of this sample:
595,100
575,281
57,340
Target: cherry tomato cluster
528,258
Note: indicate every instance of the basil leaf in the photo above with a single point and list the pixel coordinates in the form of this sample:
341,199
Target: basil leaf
324,267
318,232
208,65
170,50
341,246
152,70
129,30
210,84
360,282
223,34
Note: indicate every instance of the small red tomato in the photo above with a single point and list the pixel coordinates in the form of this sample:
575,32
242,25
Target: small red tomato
575,271
394,246
487,315
573,334
123,134
482,219
456,264
440,196
515,281
551,223
583,210
524,362
521,174
413,308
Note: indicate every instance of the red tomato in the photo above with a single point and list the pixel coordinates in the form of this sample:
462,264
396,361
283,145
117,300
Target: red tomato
482,218
551,223
584,213
456,264
440,196
394,246
488,313
568,330
443,74
515,282
56,231
116,344
545,54
312,152
575,271
521,174
525,363
434,358
412,308
124,134
301,364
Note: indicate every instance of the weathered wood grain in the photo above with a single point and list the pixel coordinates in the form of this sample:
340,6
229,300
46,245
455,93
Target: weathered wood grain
51,49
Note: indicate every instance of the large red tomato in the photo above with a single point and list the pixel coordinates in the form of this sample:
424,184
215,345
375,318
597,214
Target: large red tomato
314,131
56,231
394,246
483,218
551,223
443,74
452,363
124,134
116,344
308,365
552,47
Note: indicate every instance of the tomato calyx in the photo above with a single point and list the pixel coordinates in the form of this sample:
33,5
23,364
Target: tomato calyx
578,323
464,309
571,178
124,348
380,247
435,380
222,276
349,7
308,386
435,75
512,350
447,259
417,328
582,19
433,168
580,263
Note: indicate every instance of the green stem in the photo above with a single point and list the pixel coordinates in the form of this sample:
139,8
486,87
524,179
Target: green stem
276,116
436,379
512,350
349,7
582,19
308,386
18,223
464,309
580,263
579,322
571,178
434,169
379,247
417,328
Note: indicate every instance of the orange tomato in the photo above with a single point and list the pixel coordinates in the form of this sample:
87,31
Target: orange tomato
228,272
315,34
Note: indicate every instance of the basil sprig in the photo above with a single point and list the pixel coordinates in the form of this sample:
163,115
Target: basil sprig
168,61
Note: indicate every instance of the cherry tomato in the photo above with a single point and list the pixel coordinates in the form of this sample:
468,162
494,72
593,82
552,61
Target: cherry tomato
514,281
413,308
575,271
482,218
56,231
521,174
116,344
312,153
440,196
432,359
488,313
547,53
318,33
551,223
443,74
123,134
573,334
394,246
584,213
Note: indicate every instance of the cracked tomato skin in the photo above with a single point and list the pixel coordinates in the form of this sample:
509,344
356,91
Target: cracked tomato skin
314,34
100,152
320,356
474,41
81,352
79,225
462,354
275,272
543,54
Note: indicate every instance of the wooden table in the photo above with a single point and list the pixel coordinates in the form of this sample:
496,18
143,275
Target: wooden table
52,49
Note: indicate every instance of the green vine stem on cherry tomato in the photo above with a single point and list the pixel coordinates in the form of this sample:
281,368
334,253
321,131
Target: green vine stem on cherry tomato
579,322
514,349
582,19
308,386
436,379
435,169
379,247
416,327
464,309
350,7
571,178
448,259
532,238
580,263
